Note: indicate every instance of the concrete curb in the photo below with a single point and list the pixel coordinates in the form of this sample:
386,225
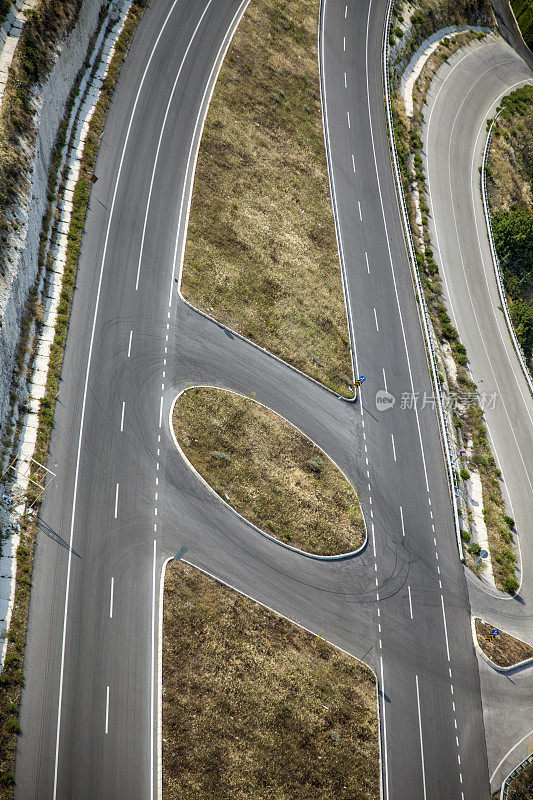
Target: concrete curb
315,557
77,129
423,312
527,662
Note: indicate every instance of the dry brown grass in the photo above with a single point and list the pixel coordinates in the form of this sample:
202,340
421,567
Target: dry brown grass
268,471
261,252
254,707
504,650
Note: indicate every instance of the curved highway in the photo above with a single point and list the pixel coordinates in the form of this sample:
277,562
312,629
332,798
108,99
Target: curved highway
472,84
124,501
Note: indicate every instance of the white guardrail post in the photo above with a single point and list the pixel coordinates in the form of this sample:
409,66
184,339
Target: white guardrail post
427,326
496,262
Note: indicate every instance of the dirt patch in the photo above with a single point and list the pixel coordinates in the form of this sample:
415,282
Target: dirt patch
504,650
261,253
268,471
253,706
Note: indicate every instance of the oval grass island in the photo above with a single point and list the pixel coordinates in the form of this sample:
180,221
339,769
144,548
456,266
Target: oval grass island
268,471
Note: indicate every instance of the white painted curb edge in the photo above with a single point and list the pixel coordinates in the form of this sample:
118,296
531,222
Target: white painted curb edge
315,557
484,656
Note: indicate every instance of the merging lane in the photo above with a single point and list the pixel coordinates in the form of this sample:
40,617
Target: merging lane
89,716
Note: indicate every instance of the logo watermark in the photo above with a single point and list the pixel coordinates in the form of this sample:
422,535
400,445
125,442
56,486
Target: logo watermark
452,401
384,400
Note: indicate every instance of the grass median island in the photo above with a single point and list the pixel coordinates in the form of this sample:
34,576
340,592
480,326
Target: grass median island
509,175
503,650
255,707
261,253
268,471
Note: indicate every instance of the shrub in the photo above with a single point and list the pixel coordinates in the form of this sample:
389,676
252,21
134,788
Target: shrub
509,520
510,585
475,549
465,475
220,456
315,464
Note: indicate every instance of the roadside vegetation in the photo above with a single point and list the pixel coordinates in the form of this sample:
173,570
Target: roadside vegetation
268,471
45,28
503,650
12,677
523,11
470,429
261,253
510,191
254,706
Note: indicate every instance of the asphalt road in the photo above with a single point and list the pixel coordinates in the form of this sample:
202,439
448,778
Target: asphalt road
464,94
123,500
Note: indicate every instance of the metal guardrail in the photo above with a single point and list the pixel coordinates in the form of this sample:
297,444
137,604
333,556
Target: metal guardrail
496,262
506,785
427,326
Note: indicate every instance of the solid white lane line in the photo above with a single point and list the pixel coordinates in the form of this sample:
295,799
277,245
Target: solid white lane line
393,447
152,693
385,380
160,414
348,115
445,627
161,133
111,598
116,501
129,344
360,212
353,162
122,416
376,318
421,740
385,765
107,711
367,264
370,117
401,517
410,601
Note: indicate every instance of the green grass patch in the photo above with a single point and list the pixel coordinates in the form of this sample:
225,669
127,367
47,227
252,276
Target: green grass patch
261,253
523,11
255,707
268,471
